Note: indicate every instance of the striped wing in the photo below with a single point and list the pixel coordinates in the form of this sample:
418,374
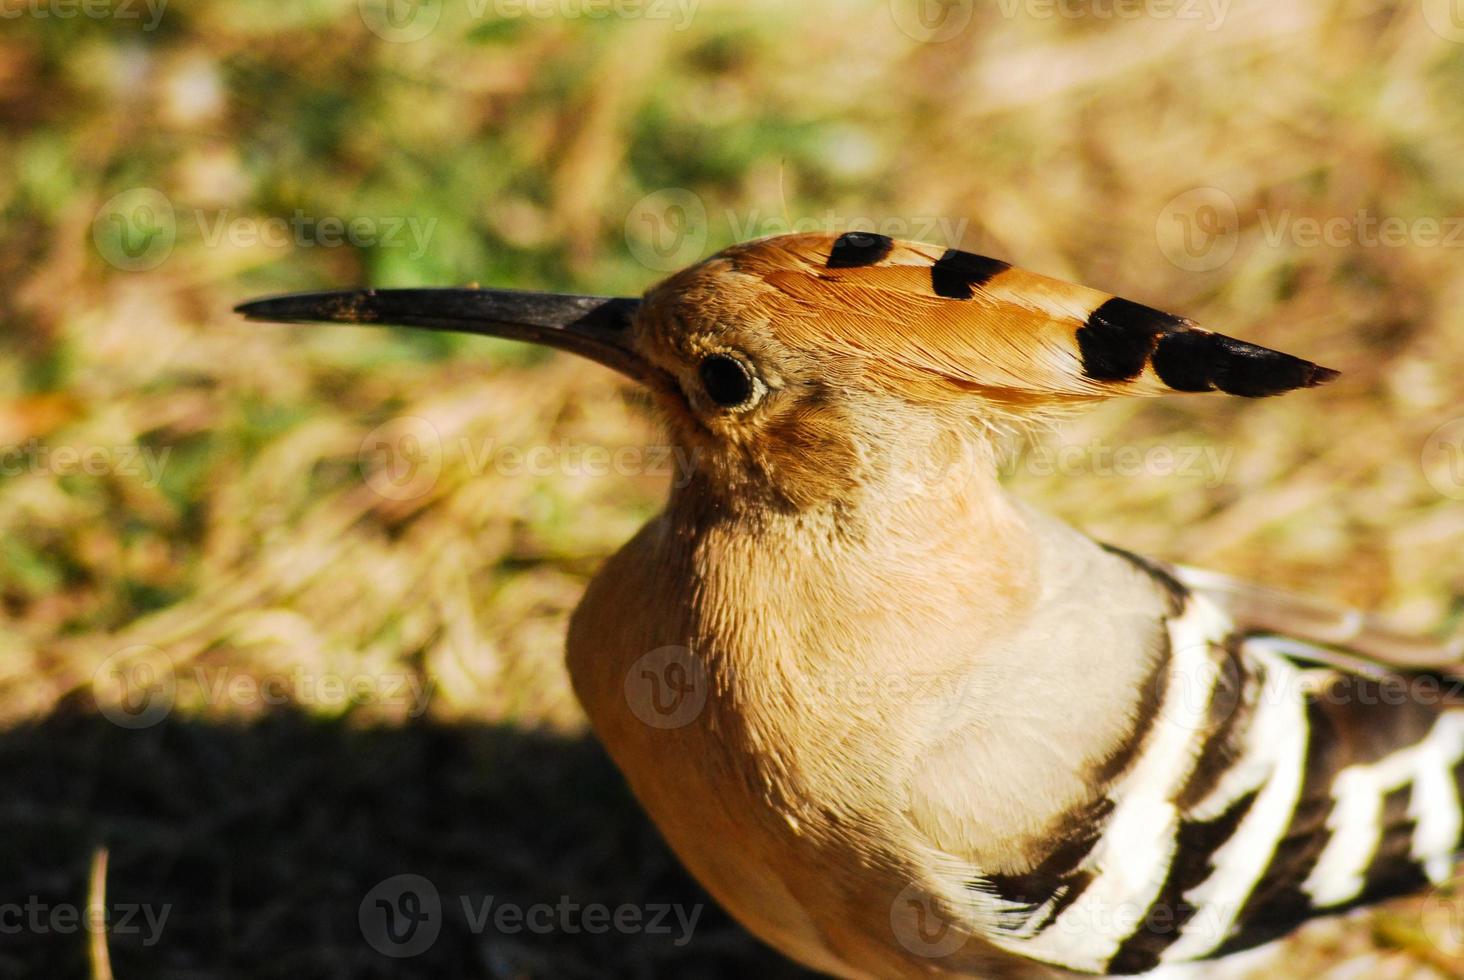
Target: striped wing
925,315
1287,781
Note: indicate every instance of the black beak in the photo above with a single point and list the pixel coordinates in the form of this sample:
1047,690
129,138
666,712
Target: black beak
597,327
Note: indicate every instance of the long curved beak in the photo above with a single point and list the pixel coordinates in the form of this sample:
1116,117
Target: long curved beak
597,327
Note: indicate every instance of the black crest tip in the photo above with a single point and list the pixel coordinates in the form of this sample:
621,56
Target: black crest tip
855,249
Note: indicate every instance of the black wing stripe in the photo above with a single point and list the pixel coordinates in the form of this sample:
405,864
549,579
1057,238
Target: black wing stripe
1058,874
1166,918
1353,721
1315,790
1277,904
1232,708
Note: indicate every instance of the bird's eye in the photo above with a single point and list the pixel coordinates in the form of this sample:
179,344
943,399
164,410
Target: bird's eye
727,380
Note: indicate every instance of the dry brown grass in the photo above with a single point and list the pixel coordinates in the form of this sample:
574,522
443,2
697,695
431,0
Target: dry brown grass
266,553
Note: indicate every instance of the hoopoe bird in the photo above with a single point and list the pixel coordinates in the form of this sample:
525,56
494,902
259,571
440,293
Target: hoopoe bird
898,723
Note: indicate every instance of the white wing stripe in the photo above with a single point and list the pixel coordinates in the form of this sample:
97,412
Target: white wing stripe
1356,820
1131,860
1275,760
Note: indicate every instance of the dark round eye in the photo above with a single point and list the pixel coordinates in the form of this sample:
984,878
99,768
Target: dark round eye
726,379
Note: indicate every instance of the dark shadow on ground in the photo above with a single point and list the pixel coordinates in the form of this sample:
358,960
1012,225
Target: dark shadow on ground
264,841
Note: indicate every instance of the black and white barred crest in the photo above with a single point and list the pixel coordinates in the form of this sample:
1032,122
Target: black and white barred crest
1267,787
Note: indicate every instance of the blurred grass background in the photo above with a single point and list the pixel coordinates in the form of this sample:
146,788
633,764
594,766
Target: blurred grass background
232,523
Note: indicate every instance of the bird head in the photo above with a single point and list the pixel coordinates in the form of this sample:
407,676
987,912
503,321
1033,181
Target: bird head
814,369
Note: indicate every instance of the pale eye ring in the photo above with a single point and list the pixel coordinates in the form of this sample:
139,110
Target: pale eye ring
727,380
